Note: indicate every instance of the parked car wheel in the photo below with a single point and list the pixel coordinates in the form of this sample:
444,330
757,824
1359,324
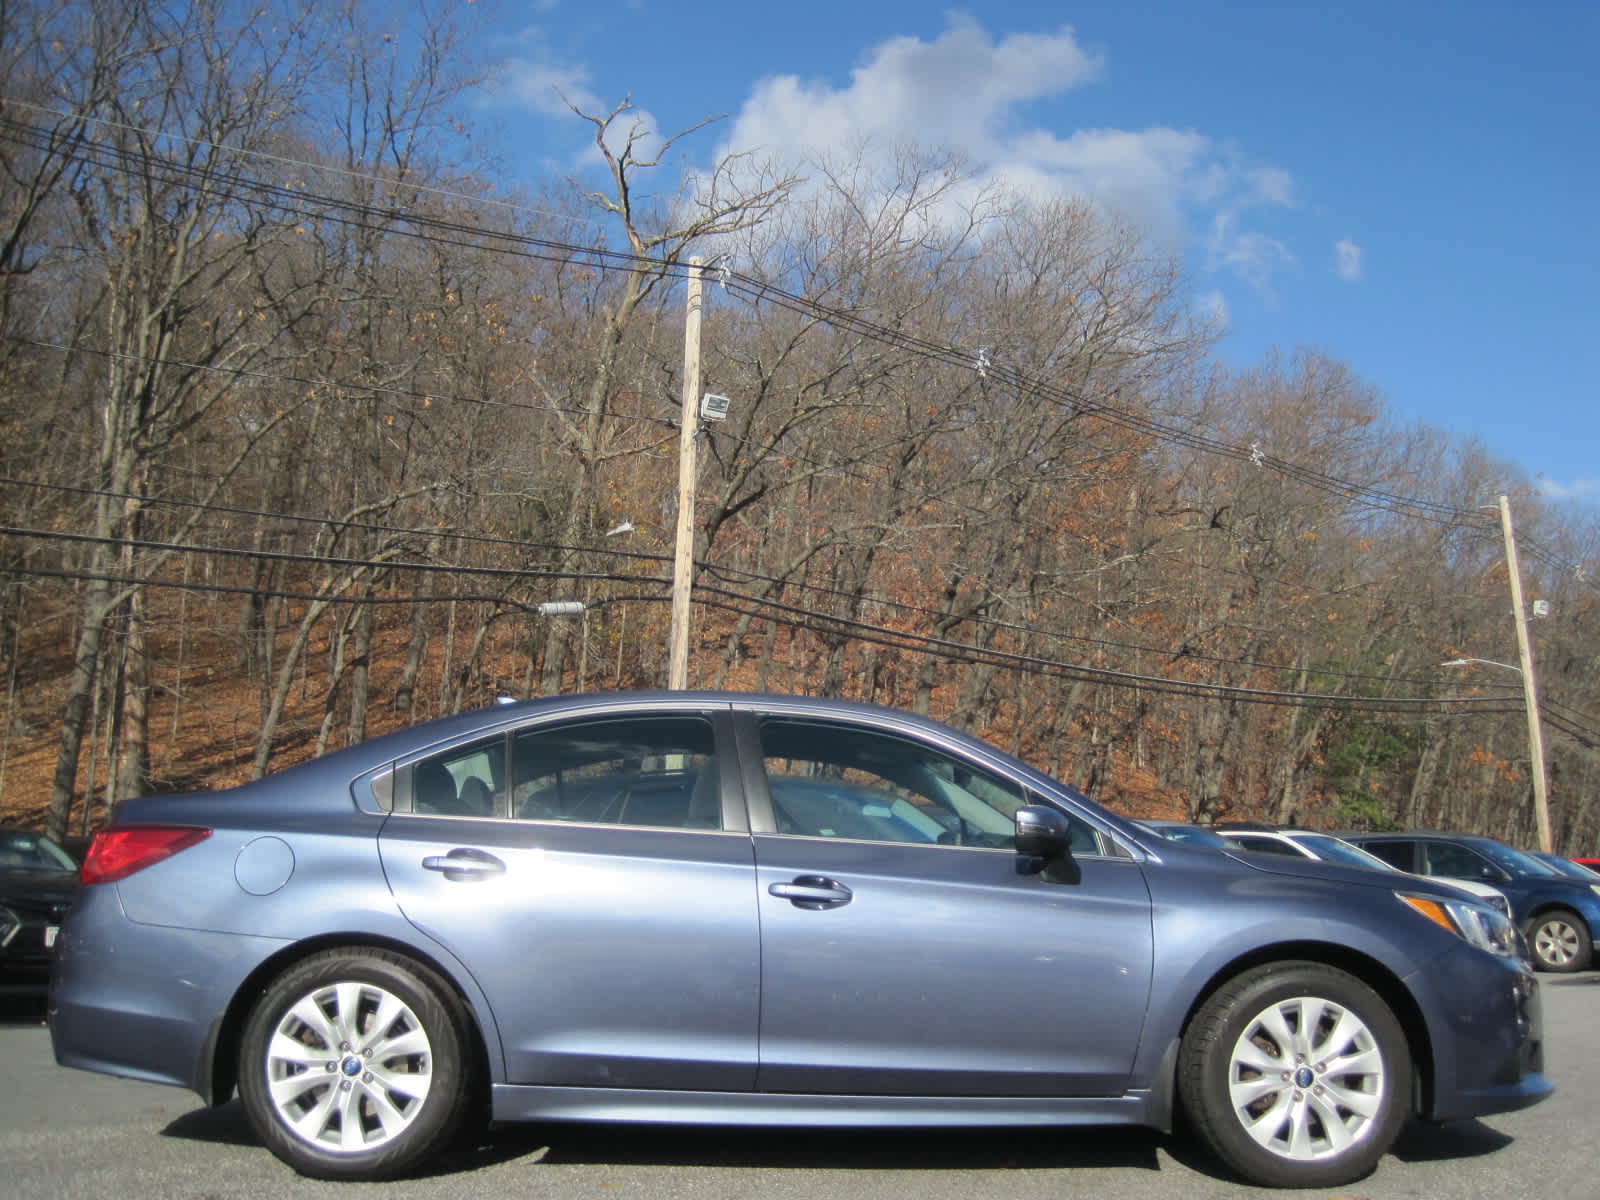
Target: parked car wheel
1560,941
1296,1075
356,1064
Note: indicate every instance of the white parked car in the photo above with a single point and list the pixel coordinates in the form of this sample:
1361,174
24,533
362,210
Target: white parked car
1310,844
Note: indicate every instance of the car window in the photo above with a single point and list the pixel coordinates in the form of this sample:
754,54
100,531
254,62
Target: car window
839,781
30,852
1263,845
1445,858
1332,849
464,781
1396,854
658,771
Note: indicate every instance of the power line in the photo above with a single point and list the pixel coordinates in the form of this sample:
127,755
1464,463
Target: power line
795,617
758,291
712,569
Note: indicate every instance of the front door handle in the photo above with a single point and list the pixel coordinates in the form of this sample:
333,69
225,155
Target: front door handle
813,892
464,863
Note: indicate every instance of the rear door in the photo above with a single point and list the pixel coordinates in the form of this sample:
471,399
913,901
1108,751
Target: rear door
601,894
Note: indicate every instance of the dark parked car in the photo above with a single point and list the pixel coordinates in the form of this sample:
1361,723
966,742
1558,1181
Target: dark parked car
1566,866
764,910
37,883
1559,915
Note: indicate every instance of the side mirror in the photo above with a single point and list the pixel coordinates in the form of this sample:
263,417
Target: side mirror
1043,835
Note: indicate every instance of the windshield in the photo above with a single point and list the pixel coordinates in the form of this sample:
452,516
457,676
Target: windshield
1187,834
1514,862
1332,849
1565,866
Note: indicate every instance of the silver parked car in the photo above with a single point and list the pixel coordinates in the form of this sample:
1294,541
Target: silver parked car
749,909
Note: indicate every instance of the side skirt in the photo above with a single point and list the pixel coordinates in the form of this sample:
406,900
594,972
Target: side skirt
525,1103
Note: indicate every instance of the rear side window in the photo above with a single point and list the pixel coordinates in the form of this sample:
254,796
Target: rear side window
1396,854
655,771
1260,845
464,781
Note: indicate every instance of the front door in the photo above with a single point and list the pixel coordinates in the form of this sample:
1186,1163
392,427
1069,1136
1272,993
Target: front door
903,952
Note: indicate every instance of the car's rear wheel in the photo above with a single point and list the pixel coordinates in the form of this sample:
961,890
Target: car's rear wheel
1296,1074
1560,941
356,1064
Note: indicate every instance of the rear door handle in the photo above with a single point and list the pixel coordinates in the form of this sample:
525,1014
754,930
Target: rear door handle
464,864
813,892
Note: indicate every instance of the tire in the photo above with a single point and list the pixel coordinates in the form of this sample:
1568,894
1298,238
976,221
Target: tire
1559,941
357,1064
1259,1085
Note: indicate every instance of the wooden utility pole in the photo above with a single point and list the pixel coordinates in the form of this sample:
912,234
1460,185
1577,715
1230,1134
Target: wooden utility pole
1530,693
683,549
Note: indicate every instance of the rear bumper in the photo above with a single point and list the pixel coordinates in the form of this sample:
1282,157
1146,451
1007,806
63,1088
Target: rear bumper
143,1001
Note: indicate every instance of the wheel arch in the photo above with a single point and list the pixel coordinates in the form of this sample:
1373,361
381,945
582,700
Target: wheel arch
222,1068
1546,907
1570,912
1368,970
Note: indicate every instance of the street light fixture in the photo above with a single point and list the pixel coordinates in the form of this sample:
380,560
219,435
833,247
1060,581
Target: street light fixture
1488,662
1530,703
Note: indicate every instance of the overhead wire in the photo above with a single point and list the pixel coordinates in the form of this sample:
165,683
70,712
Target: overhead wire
715,570
758,292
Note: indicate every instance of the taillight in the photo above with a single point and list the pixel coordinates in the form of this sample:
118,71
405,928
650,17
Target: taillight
118,852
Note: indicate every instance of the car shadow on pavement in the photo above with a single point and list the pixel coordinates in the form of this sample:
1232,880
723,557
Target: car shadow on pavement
1587,979
808,1149
1424,1141
22,1010
841,1150
833,1149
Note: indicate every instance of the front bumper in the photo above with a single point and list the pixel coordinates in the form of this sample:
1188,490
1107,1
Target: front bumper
1487,1032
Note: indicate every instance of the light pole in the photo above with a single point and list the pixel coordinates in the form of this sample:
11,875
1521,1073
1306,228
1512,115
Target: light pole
683,547
1530,702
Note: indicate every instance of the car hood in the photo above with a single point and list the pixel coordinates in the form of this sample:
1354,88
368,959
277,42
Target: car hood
1316,868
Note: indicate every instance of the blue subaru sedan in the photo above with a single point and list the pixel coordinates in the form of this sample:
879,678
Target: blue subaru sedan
764,910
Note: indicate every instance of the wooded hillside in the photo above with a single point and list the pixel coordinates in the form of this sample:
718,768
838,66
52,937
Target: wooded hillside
302,421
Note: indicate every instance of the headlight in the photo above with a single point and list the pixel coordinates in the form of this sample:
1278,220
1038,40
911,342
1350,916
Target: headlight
9,924
1482,927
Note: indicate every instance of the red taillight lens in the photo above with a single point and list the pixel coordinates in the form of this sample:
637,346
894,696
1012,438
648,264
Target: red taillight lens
117,853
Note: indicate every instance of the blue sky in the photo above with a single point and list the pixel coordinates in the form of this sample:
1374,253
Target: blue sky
1410,187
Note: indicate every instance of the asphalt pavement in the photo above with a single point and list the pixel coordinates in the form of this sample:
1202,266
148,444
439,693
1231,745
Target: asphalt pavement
71,1134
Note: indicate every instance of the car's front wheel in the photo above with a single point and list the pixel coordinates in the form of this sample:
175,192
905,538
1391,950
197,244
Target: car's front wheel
356,1064
1560,941
1296,1074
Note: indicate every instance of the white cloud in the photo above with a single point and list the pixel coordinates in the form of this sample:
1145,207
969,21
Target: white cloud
969,93
1272,185
534,79
1575,490
957,90
1213,308
1347,260
541,86
1253,257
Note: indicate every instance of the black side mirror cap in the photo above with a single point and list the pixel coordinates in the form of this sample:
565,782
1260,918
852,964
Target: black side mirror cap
1043,835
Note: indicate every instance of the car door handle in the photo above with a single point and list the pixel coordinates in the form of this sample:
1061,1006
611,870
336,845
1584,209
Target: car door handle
813,892
463,863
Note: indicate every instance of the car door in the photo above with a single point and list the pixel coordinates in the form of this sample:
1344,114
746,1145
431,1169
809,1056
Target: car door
603,901
903,953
